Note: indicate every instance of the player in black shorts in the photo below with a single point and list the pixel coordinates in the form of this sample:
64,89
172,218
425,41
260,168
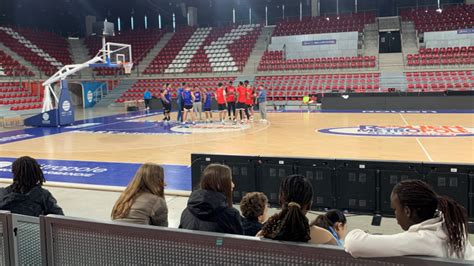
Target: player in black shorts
166,101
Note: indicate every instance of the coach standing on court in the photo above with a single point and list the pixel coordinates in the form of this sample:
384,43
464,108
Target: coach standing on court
262,103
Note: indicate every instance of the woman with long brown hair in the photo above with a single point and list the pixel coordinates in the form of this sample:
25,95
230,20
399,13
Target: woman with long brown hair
434,226
210,207
143,200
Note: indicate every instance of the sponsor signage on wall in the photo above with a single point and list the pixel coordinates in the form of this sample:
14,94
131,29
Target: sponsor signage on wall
466,31
319,42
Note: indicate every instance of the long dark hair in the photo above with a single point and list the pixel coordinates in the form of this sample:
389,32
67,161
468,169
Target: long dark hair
424,202
291,224
27,174
218,178
329,219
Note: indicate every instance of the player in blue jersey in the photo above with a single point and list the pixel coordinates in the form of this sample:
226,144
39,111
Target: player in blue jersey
166,101
207,104
197,106
179,101
188,100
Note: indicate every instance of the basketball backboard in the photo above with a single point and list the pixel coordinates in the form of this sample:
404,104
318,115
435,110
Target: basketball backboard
115,55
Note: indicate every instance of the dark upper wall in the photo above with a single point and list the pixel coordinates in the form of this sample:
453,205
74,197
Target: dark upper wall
67,16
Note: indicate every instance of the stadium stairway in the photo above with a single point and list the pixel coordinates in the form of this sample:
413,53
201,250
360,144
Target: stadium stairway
80,54
109,100
257,53
393,79
371,40
409,39
21,60
154,51
391,62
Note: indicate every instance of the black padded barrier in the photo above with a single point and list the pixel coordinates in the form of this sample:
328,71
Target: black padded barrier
243,171
270,172
358,186
391,173
320,174
449,179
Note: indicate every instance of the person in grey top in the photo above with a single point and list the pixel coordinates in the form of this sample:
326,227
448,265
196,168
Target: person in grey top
143,200
262,103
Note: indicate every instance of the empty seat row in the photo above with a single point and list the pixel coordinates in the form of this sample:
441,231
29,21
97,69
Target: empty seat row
451,18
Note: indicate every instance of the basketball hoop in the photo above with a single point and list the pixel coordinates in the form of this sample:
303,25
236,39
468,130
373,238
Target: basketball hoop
127,67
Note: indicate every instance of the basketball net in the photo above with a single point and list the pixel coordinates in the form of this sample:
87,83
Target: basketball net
127,67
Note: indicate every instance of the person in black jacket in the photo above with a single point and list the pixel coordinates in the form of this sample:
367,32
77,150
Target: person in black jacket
210,208
254,208
26,196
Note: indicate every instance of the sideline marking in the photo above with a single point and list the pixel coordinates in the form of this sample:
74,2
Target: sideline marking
418,140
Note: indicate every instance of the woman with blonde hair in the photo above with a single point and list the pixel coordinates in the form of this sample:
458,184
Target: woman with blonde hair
143,200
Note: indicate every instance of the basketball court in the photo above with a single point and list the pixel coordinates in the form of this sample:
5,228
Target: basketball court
139,137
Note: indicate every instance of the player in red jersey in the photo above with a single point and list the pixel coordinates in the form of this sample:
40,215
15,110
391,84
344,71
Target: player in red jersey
250,101
230,92
221,101
241,99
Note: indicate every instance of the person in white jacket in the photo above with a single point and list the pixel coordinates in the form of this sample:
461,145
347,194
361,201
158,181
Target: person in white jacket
434,226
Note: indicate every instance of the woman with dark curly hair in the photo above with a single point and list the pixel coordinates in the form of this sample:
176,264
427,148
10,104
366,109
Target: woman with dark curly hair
254,209
26,195
434,226
291,223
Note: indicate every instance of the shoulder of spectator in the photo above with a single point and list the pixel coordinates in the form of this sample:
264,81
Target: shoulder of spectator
321,236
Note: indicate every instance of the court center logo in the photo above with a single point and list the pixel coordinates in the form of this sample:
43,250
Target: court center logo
209,128
401,131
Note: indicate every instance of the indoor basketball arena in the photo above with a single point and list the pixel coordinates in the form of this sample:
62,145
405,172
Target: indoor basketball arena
237,132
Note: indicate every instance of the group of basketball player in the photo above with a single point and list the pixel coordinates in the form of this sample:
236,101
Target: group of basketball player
193,100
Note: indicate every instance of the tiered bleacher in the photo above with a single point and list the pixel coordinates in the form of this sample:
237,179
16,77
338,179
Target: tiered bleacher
38,47
164,58
440,81
451,18
11,67
156,85
142,42
17,97
198,54
54,45
442,56
206,50
275,61
312,25
282,88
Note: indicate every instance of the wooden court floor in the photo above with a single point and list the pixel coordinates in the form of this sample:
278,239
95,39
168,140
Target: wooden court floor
286,134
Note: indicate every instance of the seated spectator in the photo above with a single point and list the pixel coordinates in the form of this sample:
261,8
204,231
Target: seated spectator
210,207
335,222
143,201
434,226
291,224
254,208
26,195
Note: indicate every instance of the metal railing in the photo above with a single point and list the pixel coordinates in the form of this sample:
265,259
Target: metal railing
59,240
72,241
